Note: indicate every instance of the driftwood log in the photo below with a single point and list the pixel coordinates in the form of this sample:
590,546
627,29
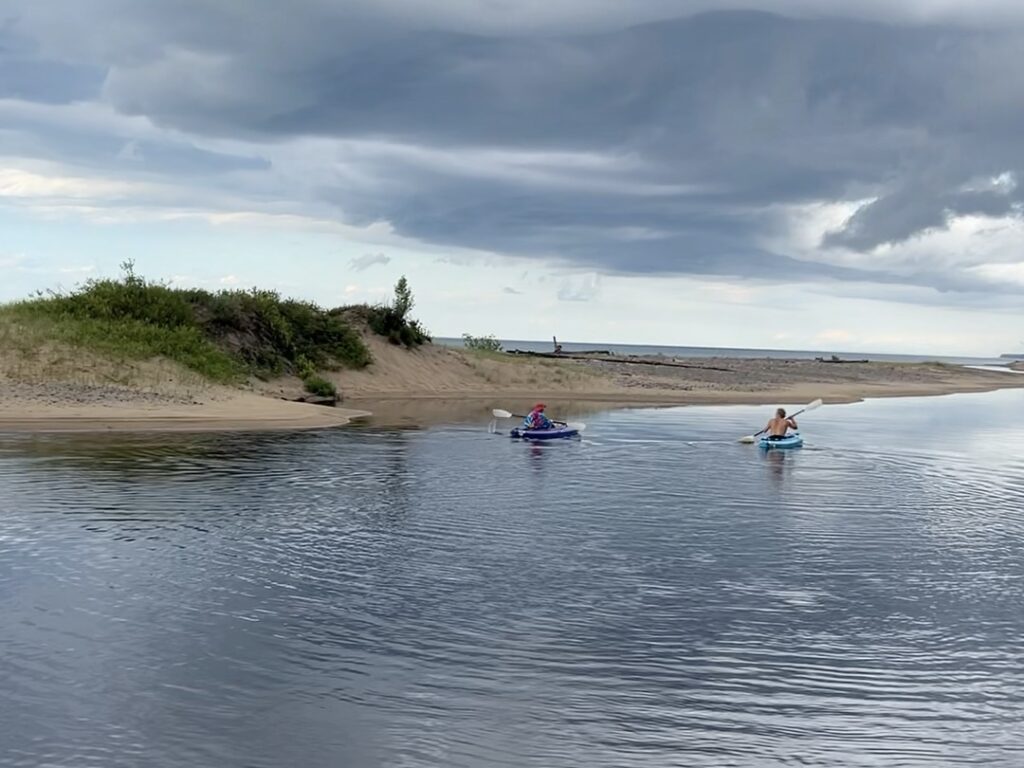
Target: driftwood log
606,357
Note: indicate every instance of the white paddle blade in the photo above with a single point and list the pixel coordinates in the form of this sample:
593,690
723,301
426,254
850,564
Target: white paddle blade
747,439
811,406
500,414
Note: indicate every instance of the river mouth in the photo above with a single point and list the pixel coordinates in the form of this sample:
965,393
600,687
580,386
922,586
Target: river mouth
654,593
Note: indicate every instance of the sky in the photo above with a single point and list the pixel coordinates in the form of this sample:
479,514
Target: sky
769,173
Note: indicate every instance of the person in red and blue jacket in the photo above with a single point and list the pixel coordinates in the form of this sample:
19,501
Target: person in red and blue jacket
537,420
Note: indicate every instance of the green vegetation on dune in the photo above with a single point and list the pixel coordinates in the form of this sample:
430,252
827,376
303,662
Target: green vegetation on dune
392,320
224,336
124,339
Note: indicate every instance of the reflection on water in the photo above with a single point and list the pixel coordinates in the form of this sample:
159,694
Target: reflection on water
654,594
776,463
397,413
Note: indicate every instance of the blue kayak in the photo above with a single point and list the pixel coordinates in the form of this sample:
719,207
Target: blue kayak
544,434
792,440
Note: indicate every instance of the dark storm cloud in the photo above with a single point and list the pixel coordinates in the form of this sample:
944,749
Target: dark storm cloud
707,120
912,208
33,132
26,73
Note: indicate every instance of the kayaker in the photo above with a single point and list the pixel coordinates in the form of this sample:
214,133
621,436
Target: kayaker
536,418
779,425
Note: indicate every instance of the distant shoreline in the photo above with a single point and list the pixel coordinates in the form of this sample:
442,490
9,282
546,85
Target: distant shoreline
433,383
751,353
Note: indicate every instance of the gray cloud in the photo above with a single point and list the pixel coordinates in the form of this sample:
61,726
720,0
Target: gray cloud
512,291
25,73
364,262
981,297
917,205
616,137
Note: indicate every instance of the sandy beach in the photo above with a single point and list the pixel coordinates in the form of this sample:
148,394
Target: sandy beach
435,383
438,372
70,407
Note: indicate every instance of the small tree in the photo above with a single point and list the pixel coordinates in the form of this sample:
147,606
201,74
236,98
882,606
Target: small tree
130,278
392,320
404,300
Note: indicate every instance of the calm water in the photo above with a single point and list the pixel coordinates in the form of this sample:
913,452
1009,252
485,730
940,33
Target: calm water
654,595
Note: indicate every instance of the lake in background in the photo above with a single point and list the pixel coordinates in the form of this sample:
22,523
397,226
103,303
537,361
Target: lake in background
655,594
778,354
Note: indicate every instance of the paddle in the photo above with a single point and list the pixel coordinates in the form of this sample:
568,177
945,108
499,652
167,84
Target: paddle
502,414
809,407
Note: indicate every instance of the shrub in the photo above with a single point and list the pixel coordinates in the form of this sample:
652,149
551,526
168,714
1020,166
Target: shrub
481,343
131,298
324,338
304,369
318,385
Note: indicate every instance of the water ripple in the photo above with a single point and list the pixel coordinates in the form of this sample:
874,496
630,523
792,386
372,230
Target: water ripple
655,594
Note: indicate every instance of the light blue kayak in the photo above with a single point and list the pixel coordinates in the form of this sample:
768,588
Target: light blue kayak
792,440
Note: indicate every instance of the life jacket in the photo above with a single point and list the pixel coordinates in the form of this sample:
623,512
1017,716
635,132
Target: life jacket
537,420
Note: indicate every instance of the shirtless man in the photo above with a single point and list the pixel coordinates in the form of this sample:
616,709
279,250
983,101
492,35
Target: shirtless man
778,426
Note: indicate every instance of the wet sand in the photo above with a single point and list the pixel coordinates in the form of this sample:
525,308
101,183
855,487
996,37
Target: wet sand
61,407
